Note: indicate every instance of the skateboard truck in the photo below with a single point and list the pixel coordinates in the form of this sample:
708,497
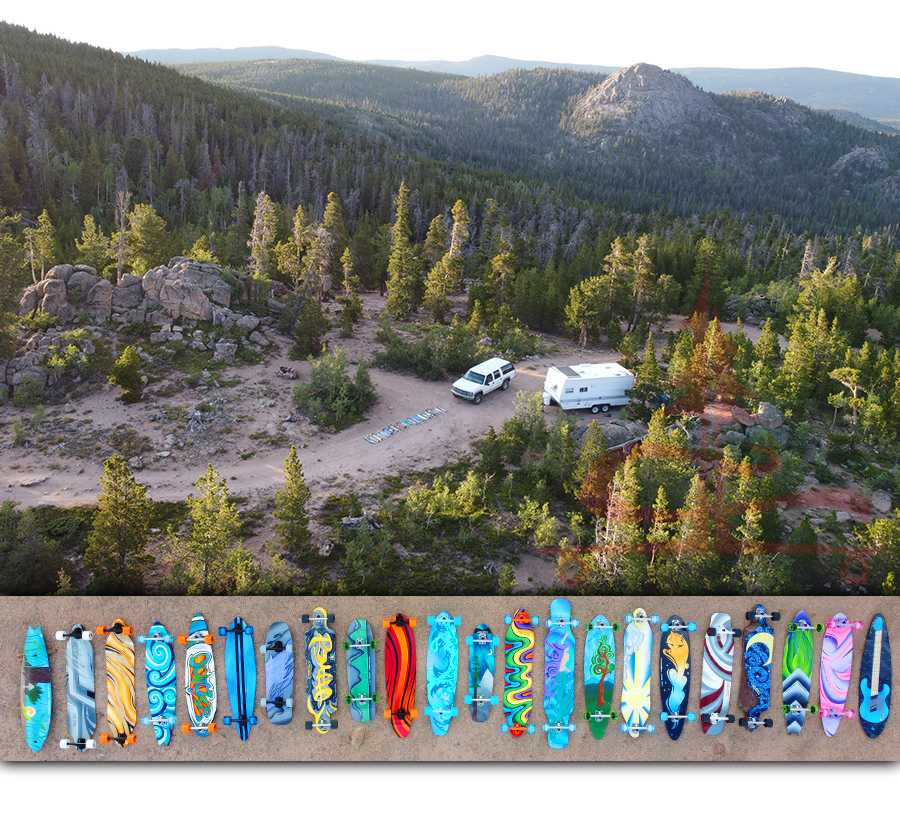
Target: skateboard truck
239,629
195,638
841,624
599,716
186,728
278,702
722,631
239,721
833,713
760,614
522,620
751,723
561,621
448,712
159,720
675,627
317,617
78,634
361,699
469,699
128,740
516,729
591,626
155,638
803,626
482,638
558,727
796,708
321,727
714,719
665,716
635,730
653,619
278,647
82,744
359,644
116,628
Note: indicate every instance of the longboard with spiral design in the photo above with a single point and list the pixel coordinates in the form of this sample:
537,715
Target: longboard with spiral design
517,684
755,692
400,673
159,660
321,676
835,669
120,708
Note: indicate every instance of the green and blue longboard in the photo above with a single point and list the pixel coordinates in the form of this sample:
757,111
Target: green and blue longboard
600,674
482,643
796,671
278,656
360,649
518,688
36,689
442,669
81,703
240,675
559,673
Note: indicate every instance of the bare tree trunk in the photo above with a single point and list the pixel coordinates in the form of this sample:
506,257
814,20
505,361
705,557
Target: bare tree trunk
123,200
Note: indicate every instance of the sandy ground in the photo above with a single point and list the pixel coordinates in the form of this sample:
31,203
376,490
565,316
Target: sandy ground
466,740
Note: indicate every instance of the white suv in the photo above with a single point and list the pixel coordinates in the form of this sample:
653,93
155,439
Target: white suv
484,378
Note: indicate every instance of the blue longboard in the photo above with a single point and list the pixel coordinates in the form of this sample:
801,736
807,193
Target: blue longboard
81,704
360,649
875,679
481,697
36,689
159,659
442,668
675,674
559,673
240,675
278,651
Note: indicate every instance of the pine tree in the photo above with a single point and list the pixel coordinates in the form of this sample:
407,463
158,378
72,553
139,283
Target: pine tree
647,393
292,508
41,244
94,248
202,560
402,275
352,310
262,237
593,448
149,239
446,276
126,373
335,226
116,551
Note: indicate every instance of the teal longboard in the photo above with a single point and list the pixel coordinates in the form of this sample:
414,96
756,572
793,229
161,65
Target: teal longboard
600,674
442,668
638,649
559,673
360,649
160,664
81,704
36,689
480,698
240,675
278,654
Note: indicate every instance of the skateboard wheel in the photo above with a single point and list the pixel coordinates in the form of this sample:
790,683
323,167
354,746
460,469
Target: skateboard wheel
742,722
145,721
504,728
185,728
692,717
182,639
507,619
226,720
749,615
309,725
629,617
468,640
819,627
90,744
729,718
347,699
571,726
102,630
776,616
493,699
212,728
664,627
586,717
663,716
262,648
427,711
171,720
385,623
545,727
849,715
413,714
64,744
654,619
104,738
692,627
467,700
431,620
535,620
86,635
530,729
128,630
141,638
624,728
651,728
304,619
768,723
457,621
785,708
575,623
253,720
60,635
711,632
131,739
248,630
262,701
222,631
208,638
792,627
705,718
387,713
738,633
412,623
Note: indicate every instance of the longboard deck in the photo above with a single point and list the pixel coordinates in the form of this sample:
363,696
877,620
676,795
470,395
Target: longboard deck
159,660
638,651
200,678
875,679
797,668
835,669
517,684
756,672
675,675
321,672
400,673
360,648
559,673
718,665
81,703
120,697
36,689
442,670
599,674
279,670
240,675
481,672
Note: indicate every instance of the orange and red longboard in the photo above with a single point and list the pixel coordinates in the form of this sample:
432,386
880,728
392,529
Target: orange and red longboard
400,673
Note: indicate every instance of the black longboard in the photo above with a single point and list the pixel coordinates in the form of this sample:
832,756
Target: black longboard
675,674
875,679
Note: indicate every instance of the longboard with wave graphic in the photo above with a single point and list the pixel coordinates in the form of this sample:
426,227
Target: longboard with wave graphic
360,649
442,669
278,656
755,692
159,660
559,673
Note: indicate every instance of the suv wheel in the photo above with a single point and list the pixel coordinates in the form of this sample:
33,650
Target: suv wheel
477,399
505,385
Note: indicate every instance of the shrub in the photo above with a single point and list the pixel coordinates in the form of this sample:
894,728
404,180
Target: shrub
126,373
331,397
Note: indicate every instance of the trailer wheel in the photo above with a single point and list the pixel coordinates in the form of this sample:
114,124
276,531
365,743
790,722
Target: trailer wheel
505,385
477,399
595,409
604,409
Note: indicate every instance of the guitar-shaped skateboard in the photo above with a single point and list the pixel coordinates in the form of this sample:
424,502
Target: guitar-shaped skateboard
360,649
675,674
321,671
200,678
120,708
400,673
559,673
480,698
517,684
240,675
796,673
835,669
756,690
442,668
36,689
278,654
715,683
81,706
875,679
160,663
638,652
600,674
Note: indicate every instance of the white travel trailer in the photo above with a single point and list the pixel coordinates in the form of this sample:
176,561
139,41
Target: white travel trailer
597,386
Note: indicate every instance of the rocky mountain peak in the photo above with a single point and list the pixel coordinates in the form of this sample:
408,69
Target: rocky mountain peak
643,99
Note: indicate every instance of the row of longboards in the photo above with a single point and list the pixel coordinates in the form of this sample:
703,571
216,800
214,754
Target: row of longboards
442,674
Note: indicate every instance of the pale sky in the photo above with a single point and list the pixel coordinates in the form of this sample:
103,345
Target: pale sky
858,38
